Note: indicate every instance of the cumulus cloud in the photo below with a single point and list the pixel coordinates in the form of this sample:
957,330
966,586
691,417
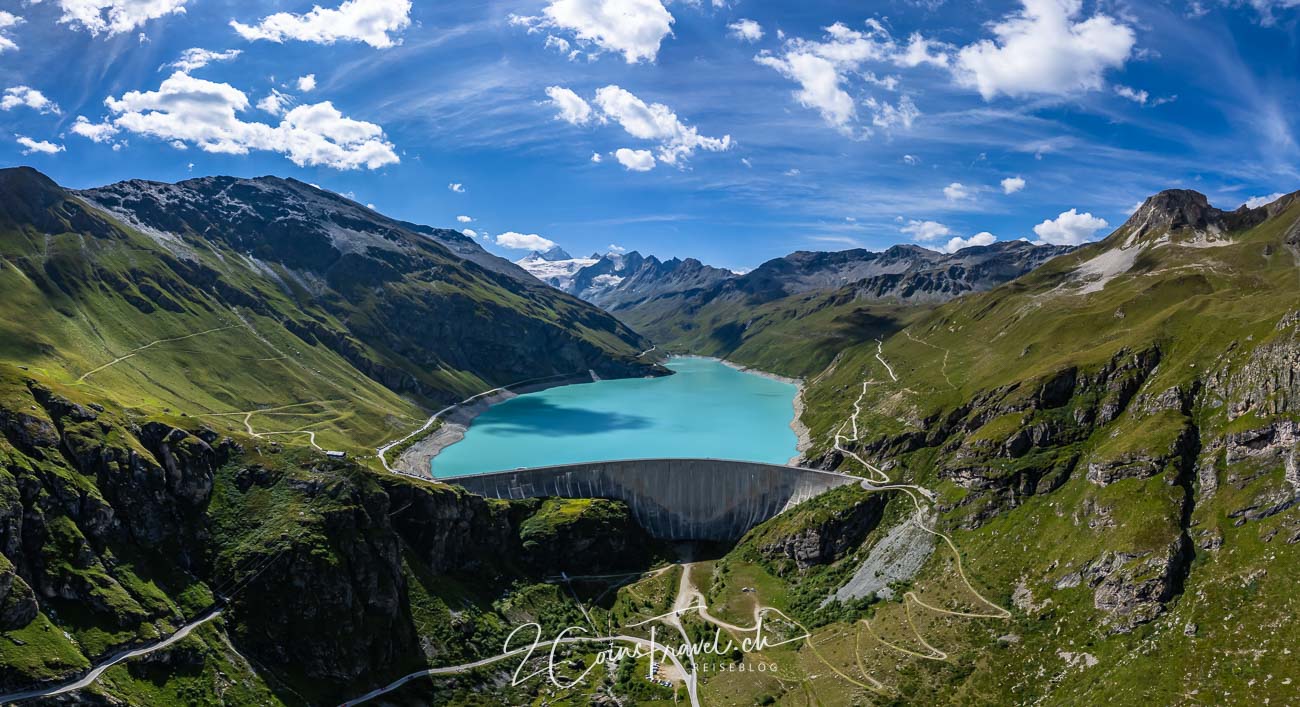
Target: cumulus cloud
96,132
196,58
1070,228
43,147
464,219
374,22
1045,48
824,69
456,187
116,16
307,83
958,192
1255,202
470,232
926,231
653,122
8,20
186,110
633,28
616,248
635,160
595,157
1011,185
955,244
656,122
524,241
572,108
746,30
27,97
276,103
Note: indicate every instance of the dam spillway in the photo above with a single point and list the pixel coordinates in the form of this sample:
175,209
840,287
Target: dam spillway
673,499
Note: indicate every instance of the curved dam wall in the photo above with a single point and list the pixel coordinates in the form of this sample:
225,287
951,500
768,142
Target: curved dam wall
673,499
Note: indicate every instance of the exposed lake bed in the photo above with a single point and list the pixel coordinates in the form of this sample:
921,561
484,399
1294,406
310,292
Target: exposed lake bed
707,409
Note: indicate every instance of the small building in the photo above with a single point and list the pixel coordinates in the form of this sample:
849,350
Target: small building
336,455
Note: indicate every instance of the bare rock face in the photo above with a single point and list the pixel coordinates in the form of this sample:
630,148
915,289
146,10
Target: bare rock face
17,600
827,539
1133,588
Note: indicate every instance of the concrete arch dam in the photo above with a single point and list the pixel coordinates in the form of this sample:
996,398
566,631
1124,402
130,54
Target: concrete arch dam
673,499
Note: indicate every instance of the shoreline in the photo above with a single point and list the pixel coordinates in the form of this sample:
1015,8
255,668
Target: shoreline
803,435
417,459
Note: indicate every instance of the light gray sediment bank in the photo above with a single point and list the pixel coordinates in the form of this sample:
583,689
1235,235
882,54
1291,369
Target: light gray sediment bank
673,499
455,420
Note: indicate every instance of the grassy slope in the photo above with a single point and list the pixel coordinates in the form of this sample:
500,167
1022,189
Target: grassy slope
795,336
1225,637
82,291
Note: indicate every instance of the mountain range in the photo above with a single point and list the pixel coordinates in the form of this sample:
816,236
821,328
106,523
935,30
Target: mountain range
1109,435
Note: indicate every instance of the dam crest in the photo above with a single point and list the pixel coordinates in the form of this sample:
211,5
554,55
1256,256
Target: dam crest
673,499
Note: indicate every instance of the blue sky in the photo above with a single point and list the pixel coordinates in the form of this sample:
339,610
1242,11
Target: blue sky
731,131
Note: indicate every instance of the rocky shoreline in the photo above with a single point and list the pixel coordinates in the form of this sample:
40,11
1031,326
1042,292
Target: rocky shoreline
416,459
801,431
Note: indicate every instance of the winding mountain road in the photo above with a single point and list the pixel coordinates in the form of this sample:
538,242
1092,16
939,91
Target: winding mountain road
116,658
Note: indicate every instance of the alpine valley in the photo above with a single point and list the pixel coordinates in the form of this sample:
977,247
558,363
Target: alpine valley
1072,473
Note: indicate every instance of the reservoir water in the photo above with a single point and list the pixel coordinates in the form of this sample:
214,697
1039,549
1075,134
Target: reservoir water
706,410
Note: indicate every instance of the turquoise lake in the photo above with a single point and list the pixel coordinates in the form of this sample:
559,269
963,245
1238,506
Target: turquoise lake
705,410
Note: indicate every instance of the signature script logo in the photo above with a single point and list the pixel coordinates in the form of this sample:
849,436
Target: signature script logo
531,643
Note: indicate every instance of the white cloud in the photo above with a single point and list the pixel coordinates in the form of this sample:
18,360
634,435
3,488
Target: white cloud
920,51
196,58
1265,9
456,187
595,157
524,241
1255,202
615,248
911,160
469,232
956,244
26,96
96,132
746,30
116,16
369,21
957,192
205,113
887,117
276,103
635,160
824,69
8,20
1070,228
657,122
464,219
1132,94
307,83
1011,185
633,28
572,108
1045,49
926,231
29,146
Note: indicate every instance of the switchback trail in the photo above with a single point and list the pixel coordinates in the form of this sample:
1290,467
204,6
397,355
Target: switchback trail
878,480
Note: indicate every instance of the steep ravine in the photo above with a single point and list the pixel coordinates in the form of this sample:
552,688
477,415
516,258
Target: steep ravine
116,530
